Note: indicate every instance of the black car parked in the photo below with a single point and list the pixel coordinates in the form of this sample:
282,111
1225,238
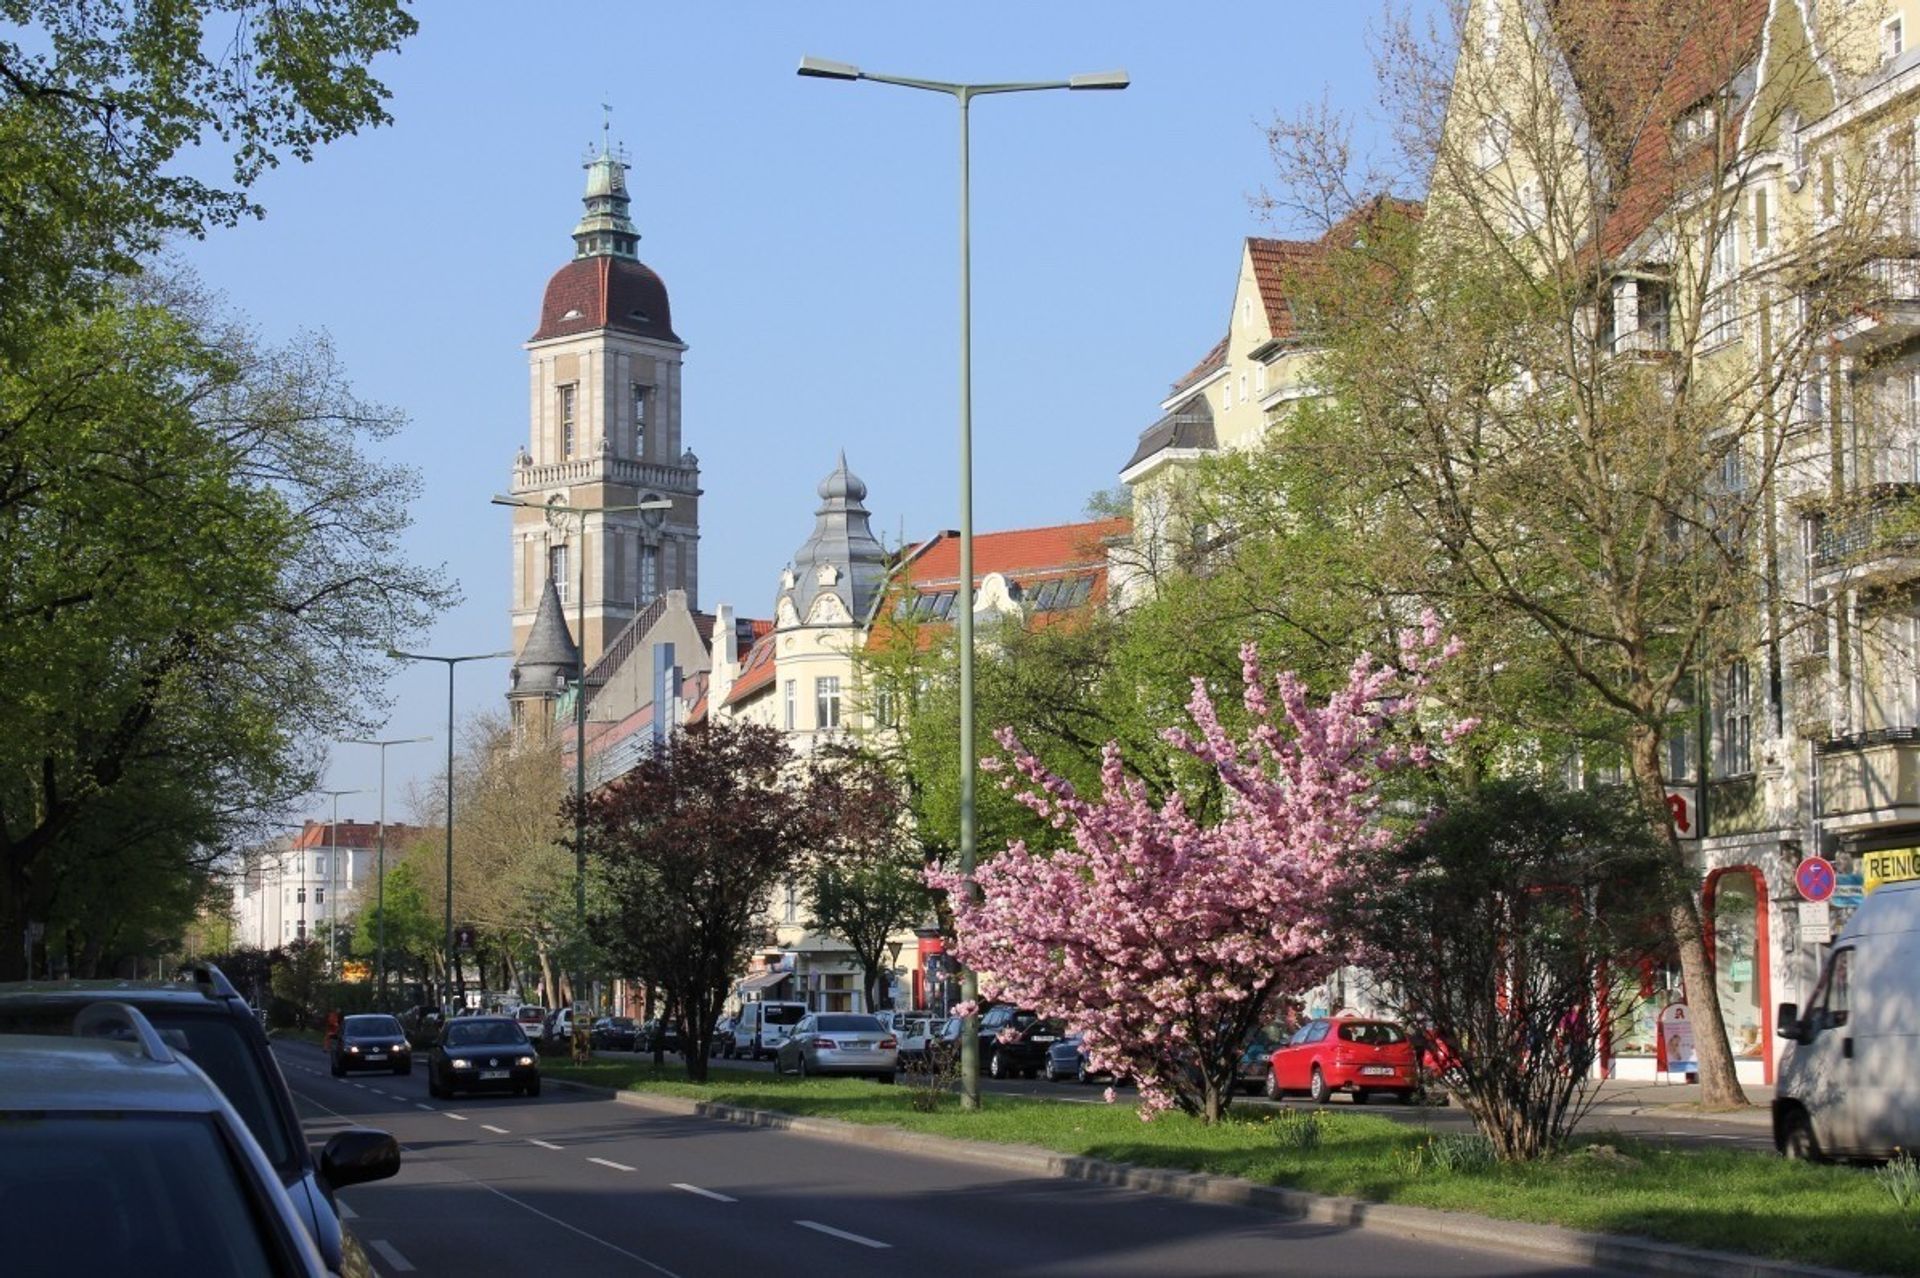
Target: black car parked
483,1054
205,1016
613,1034
371,1041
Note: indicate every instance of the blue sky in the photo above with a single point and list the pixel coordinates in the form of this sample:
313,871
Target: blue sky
807,232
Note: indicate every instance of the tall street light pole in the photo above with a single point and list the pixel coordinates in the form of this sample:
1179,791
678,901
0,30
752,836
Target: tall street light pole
333,861
820,68
380,872
450,663
554,512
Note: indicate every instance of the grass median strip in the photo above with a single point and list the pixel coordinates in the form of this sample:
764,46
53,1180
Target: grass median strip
1727,1199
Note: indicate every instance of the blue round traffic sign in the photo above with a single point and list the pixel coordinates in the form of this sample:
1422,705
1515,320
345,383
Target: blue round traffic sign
1815,878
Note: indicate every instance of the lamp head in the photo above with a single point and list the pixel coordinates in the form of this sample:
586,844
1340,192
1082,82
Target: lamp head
1099,80
499,499
822,69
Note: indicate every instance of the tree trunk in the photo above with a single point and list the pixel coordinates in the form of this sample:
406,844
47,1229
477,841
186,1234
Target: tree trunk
1719,1084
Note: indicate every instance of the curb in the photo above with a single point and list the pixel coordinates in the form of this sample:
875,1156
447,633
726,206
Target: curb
1420,1224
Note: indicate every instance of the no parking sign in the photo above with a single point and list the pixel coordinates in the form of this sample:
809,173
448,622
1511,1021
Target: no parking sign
1815,878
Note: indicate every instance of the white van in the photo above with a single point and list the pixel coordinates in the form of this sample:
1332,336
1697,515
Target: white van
763,1027
1849,1084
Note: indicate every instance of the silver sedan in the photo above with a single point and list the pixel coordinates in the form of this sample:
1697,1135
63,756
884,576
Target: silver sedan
840,1043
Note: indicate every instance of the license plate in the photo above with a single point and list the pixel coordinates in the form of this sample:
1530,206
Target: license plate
1043,1038
1376,1070
376,1056
489,1075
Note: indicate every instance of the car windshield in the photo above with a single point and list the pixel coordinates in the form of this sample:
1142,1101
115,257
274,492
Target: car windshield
783,1013
1372,1033
852,1024
532,1013
621,1022
479,1033
371,1027
152,1194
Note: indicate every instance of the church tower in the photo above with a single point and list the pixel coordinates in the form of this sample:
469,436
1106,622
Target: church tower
603,431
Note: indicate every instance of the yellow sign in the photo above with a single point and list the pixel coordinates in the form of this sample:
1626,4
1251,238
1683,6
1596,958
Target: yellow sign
353,970
1889,865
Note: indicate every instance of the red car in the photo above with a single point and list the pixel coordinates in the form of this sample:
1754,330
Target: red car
1344,1054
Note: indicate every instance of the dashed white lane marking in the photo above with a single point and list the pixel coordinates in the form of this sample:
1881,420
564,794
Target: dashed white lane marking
458,1118
418,1105
498,1131
346,1212
705,1193
608,1162
391,1255
543,1144
864,1241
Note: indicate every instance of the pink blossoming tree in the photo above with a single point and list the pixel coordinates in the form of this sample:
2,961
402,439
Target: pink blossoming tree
1166,941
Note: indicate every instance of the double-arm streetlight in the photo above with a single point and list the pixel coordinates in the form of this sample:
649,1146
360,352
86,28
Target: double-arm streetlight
380,873
450,663
964,94
554,512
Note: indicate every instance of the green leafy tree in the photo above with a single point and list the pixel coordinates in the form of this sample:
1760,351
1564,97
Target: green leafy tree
100,103
412,933
868,881
301,979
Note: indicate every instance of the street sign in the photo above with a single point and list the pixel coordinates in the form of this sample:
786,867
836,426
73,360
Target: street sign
1890,865
463,938
1816,923
1815,879
1848,892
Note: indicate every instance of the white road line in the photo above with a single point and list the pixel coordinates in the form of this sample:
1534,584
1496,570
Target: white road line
461,1118
498,1131
705,1193
392,1256
660,1269
418,1105
543,1144
346,1212
608,1162
841,1233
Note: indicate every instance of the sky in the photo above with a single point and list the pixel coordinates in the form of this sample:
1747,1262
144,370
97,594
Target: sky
807,232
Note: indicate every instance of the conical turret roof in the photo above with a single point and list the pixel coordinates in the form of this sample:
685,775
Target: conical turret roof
549,658
843,545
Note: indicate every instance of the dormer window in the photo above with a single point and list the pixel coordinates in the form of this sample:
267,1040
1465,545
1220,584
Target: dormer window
1697,124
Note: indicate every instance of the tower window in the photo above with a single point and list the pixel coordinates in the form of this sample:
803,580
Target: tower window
566,421
826,702
640,420
557,570
649,574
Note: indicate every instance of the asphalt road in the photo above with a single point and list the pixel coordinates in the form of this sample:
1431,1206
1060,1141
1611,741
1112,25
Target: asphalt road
571,1184
1694,1132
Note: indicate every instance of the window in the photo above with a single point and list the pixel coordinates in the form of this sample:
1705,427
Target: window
792,696
790,908
1260,380
1736,720
1226,394
301,897
1892,39
1833,997
1491,146
1719,319
1243,388
1829,188
319,896
566,421
639,420
649,574
1761,227
826,702
557,570
886,710
1490,29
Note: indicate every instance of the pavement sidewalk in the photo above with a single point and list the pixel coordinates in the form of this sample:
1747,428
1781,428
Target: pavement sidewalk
1679,1101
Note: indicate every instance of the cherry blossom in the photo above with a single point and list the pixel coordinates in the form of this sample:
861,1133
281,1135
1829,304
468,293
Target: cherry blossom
1164,939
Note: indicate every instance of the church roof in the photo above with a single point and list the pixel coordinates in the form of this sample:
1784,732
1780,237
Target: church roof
619,293
549,650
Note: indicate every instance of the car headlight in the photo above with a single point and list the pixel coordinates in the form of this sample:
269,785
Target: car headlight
460,1062
524,1060
353,1049
402,1047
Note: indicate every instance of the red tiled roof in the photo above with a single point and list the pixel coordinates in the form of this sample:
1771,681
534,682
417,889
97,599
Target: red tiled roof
1210,363
1272,259
756,672
347,834
591,293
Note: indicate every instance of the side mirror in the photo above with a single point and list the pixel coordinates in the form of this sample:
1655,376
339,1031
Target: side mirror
358,1155
1787,1025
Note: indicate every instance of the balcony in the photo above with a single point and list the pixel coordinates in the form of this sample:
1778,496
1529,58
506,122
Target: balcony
1889,308
1873,542
1872,778
604,469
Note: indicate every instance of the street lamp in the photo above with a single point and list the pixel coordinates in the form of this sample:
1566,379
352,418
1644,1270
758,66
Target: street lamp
333,861
380,874
820,68
450,663
554,511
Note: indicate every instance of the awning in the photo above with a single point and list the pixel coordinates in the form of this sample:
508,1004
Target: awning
763,982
